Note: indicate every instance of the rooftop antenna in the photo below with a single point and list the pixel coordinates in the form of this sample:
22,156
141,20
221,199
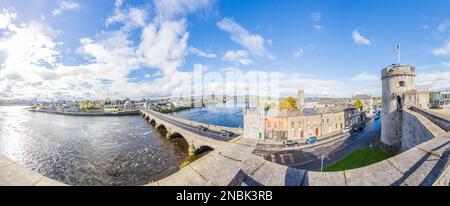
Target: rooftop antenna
397,50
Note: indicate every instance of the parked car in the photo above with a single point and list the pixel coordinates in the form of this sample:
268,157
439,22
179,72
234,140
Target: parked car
312,140
346,129
358,128
290,142
225,133
201,128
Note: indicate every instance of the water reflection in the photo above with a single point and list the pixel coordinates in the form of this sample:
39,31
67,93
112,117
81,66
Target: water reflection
89,150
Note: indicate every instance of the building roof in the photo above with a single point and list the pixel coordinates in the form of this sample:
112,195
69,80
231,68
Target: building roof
362,96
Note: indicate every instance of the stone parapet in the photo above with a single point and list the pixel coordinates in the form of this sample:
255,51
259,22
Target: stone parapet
425,164
398,70
14,174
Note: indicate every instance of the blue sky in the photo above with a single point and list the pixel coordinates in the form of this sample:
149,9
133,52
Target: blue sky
331,48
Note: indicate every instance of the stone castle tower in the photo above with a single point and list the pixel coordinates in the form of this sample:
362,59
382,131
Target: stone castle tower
397,80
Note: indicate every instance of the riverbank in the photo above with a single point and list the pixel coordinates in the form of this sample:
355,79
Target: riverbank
122,113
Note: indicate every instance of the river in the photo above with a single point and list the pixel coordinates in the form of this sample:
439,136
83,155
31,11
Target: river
228,115
76,150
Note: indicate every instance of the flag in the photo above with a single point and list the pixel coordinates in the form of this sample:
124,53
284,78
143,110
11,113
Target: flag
397,49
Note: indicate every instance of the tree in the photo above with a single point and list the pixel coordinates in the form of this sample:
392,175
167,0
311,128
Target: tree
359,105
289,103
268,107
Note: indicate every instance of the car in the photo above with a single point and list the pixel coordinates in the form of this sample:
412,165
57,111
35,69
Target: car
346,129
377,117
312,140
358,128
201,128
290,142
225,133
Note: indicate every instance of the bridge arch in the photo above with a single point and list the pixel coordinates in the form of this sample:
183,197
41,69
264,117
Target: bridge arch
203,149
152,122
177,135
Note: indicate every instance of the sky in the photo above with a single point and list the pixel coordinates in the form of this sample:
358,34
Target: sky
83,49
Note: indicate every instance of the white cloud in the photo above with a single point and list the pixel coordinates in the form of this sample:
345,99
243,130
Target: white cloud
316,17
65,6
298,53
443,51
6,17
32,66
364,77
201,53
164,46
131,18
239,56
254,43
434,81
170,9
360,39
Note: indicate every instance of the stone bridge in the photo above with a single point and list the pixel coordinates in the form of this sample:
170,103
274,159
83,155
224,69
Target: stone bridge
425,161
177,127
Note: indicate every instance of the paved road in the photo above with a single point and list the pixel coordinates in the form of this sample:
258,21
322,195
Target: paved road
310,158
192,128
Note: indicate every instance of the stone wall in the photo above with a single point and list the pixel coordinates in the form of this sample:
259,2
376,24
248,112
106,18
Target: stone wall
416,129
440,119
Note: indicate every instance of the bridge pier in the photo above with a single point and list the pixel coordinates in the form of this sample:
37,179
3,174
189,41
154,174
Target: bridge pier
168,135
192,150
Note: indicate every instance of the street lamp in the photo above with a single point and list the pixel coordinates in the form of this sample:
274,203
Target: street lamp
321,165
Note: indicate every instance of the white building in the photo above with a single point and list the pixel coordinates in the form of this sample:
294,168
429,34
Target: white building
254,119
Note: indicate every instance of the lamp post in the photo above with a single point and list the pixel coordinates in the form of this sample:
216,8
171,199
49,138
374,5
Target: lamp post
321,165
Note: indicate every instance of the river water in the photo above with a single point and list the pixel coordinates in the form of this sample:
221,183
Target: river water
75,150
228,114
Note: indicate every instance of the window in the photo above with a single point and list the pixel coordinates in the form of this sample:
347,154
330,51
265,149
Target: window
401,83
276,125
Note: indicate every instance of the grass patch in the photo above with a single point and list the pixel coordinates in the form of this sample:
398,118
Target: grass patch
358,158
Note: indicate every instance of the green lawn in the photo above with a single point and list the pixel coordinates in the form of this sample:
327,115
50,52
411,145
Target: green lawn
358,158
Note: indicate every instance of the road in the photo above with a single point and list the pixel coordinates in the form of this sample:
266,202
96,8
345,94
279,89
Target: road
310,158
193,128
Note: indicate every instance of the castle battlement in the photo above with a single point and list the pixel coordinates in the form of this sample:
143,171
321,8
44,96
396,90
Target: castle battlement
398,70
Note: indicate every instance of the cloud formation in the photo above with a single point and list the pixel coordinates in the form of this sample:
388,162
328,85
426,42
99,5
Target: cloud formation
360,39
442,51
238,57
65,6
254,43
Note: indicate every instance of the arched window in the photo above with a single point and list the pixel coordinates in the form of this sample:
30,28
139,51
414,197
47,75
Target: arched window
401,83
